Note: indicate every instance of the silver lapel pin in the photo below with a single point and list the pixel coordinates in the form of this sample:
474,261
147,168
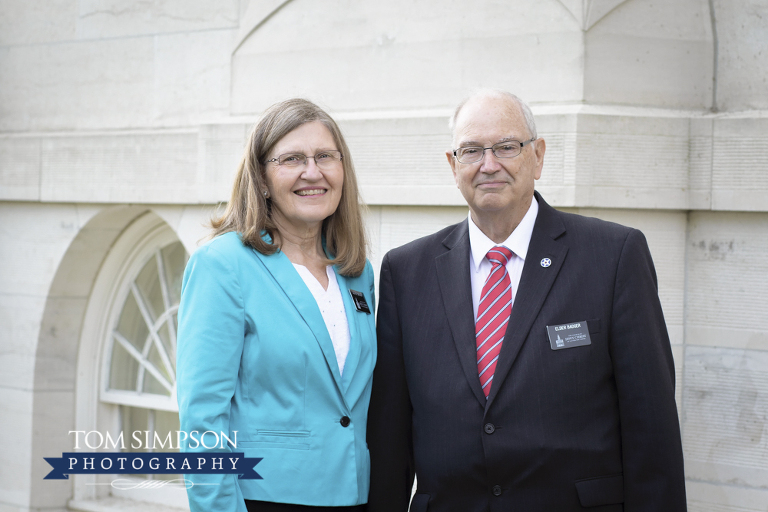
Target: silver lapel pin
546,262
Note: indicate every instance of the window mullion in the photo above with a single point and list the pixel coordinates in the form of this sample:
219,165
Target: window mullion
163,355
167,301
151,429
142,360
142,306
140,377
172,331
152,331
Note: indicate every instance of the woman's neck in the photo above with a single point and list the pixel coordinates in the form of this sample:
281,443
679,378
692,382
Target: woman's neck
304,248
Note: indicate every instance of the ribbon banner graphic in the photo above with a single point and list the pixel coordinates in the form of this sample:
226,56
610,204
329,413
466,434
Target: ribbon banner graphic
155,463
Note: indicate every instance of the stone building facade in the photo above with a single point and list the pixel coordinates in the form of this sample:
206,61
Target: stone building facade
122,122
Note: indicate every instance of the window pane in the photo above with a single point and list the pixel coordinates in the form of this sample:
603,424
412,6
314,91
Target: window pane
149,285
167,423
151,385
169,349
131,324
174,260
124,369
134,420
140,420
157,362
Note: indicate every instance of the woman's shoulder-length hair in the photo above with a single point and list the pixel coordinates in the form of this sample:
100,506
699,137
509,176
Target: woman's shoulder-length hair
249,212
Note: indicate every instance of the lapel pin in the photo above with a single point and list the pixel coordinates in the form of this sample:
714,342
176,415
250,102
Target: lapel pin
546,262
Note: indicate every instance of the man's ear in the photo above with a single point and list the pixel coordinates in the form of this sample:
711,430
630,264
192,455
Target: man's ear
452,162
539,148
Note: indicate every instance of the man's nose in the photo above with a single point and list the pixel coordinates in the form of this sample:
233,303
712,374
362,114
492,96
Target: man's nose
489,163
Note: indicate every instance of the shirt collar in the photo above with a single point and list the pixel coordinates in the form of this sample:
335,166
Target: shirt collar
517,242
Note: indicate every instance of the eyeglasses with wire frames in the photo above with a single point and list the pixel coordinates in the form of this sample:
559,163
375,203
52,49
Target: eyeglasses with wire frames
506,149
323,159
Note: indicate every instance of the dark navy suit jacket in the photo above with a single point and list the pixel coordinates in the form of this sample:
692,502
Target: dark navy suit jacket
585,428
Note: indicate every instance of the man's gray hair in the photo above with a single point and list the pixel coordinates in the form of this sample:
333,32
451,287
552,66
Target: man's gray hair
496,93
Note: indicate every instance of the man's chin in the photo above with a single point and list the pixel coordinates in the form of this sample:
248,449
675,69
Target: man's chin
494,203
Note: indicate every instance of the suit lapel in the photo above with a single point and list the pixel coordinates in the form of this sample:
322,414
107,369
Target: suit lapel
456,290
297,292
535,284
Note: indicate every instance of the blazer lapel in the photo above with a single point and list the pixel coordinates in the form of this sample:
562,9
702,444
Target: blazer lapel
535,284
456,290
353,356
297,292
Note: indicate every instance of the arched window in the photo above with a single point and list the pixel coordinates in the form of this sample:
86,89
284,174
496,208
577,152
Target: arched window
140,363
142,353
130,330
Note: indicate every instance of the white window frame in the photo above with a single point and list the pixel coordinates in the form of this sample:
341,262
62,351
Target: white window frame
97,407
127,286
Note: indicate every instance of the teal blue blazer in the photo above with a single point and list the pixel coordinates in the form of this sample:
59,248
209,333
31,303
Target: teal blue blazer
254,356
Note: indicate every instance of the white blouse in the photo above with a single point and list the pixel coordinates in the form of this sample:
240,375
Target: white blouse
331,307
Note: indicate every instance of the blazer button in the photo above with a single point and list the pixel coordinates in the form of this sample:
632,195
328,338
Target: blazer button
345,421
489,428
497,490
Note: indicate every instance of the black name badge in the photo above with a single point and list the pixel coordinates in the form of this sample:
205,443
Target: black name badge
359,299
574,334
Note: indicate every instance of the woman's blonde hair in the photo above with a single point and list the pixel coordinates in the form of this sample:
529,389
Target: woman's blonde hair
249,213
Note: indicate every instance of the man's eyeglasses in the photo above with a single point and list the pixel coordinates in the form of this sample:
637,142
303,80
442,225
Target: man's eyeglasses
506,149
323,159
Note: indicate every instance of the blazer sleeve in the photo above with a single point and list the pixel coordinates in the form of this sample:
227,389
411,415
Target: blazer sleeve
389,417
645,381
209,348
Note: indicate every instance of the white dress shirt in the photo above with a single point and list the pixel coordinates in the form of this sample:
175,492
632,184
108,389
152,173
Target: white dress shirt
479,245
331,307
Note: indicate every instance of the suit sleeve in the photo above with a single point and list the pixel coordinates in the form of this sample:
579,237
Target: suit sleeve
645,380
210,345
389,418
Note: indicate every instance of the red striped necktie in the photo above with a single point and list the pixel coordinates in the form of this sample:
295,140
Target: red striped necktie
493,315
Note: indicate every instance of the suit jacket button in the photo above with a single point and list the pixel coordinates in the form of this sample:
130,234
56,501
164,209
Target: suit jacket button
497,490
489,428
345,421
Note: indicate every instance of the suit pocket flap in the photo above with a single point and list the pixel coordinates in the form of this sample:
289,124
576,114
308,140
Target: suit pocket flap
605,490
420,502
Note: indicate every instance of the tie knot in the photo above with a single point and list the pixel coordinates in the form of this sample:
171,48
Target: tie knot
499,255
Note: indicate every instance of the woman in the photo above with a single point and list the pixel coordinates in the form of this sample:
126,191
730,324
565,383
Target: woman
276,333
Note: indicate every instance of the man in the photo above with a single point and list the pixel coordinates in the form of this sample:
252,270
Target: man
524,363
